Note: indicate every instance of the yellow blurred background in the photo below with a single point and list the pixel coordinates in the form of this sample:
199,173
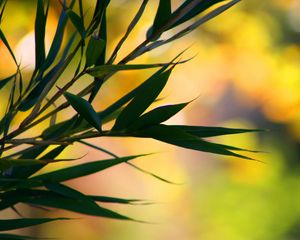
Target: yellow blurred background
245,73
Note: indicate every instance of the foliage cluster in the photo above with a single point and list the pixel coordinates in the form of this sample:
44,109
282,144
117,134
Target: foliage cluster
22,158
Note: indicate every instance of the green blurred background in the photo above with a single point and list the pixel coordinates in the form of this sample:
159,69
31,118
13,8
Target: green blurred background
245,73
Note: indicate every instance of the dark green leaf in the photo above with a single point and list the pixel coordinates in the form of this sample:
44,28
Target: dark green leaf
116,200
85,109
94,50
158,115
162,16
180,138
60,201
126,98
203,132
77,22
199,8
57,40
101,71
40,27
25,171
4,81
82,169
11,224
70,192
6,236
142,101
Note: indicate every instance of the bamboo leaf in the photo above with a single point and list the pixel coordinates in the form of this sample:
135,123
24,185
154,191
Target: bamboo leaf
199,8
94,50
4,81
77,22
180,138
6,236
71,193
106,199
23,171
103,70
162,16
81,170
204,132
85,109
10,224
141,101
60,201
157,115
40,27
57,40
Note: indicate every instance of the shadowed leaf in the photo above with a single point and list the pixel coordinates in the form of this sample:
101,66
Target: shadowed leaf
77,22
10,224
101,71
85,109
94,50
142,101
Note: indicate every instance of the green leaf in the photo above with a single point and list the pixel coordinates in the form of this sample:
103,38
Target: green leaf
4,81
157,115
6,236
199,8
103,70
25,171
180,138
94,50
117,200
141,101
162,16
85,109
70,192
81,170
203,132
39,31
57,40
11,224
77,22
60,201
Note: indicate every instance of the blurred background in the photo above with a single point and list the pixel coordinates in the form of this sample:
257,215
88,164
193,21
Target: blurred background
245,74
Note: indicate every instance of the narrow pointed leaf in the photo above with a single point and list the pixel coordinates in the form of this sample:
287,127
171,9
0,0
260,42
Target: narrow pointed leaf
4,81
10,224
158,115
82,169
106,199
23,171
201,7
55,200
142,101
57,40
70,192
203,132
94,50
162,16
85,109
180,138
126,98
77,22
102,71
6,236
40,26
